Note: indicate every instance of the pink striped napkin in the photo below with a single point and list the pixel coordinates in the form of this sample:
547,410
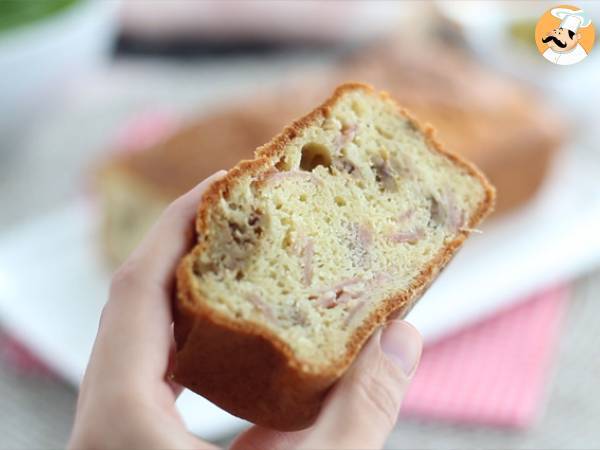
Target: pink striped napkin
493,373
20,359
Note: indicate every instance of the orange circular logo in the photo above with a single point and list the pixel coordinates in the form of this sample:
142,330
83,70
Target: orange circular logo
565,35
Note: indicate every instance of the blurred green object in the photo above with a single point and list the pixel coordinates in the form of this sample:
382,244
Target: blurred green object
523,31
15,13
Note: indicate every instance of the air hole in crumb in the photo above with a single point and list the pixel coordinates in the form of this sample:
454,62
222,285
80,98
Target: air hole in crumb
200,268
239,275
314,155
340,201
278,205
253,219
282,165
287,241
196,269
302,197
410,125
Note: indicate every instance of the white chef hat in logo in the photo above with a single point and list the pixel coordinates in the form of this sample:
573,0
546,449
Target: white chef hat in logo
571,20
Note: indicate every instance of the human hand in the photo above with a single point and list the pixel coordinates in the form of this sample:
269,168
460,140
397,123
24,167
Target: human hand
127,401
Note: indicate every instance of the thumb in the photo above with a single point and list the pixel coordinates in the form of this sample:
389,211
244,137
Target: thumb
362,409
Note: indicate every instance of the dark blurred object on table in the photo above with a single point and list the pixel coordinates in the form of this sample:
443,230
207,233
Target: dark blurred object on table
214,29
283,21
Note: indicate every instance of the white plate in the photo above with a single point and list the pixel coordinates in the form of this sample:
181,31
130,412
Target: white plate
53,283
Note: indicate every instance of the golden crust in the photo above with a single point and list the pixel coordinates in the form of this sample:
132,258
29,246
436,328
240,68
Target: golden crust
246,368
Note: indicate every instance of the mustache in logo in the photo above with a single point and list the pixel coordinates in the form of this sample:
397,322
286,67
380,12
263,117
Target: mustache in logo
556,41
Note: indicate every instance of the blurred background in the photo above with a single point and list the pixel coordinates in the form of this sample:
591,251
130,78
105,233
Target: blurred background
109,110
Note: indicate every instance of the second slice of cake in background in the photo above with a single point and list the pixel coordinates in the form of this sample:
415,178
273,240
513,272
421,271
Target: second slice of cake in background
496,122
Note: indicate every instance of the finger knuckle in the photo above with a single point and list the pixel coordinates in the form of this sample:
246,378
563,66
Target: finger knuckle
380,393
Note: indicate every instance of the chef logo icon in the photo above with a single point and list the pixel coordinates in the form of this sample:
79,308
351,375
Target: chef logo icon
565,35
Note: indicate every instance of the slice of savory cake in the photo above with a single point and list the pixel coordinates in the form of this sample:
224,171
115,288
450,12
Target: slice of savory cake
341,220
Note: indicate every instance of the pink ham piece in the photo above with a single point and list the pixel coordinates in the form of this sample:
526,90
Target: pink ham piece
345,297
365,236
383,173
360,242
348,290
445,211
373,283
379,279
345,165
327,300
353,311
406,215
346,136
340,293
343,292
407,236
261,306
333,298
299,243
308,253
345,283
349,282
455,217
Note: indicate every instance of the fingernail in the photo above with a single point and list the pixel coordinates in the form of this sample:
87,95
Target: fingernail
402,343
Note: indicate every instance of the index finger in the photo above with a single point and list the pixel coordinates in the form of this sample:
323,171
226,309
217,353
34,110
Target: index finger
135,334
